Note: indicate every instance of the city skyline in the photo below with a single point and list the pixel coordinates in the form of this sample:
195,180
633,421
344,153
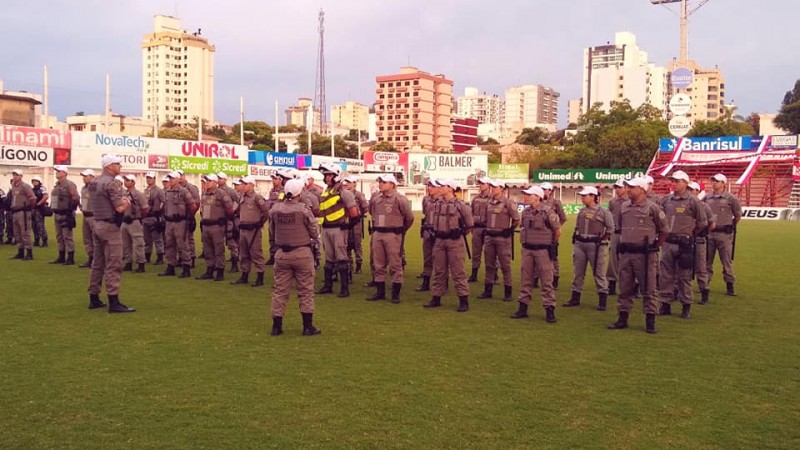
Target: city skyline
268,52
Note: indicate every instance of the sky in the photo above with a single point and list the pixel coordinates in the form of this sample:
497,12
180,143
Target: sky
266,50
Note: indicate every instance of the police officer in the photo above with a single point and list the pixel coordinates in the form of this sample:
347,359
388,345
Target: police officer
37,215
450,222
178,206
701,247
312,188
557,207
2,214
337,208
108,203
231,228
215,209
294,227
153,224
727,212
65,201
132,228
643,227
88,216
8,218
356,232
502,218
686,217
275,195
651,193
479,205
593,229
310,195
614,206
391,218
253,213
434,194
541,229
21,203
191,219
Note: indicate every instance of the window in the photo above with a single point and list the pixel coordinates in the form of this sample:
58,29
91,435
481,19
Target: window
407,83
93,128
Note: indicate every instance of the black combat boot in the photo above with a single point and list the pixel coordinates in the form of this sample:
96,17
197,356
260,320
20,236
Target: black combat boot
187,272
426,284
463,303
396,292
369,284
666,309
128,267
474,277
574,301
95,302
70,261
169,272
20,254
243,278
28,255
44,242
234,265
36,242
259,279
209,275
650,323
277,326
327,284
536,282
159,259
115,306
555,282
9,239
686,311
612,287
550,314
147,257
487,290
220,275
602,299
193,261
507,293
139,268
730,291
380,294
704,296
308,325
344,279
87,264
435,302
60,259
522,311
358,268
621,323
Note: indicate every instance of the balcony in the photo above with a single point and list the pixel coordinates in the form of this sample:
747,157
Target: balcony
416,110
390,122
379,91
379,123
401,122
416,132
417,88
402,110
390,133
391,100
391,89
401,132
402,89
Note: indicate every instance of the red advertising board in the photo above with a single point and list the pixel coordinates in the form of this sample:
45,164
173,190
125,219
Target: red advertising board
34,137
385,161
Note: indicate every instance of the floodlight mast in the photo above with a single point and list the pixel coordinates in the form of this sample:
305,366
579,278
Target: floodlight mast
685,13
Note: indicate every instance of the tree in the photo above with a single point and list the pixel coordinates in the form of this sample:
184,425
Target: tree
384,146
532,136
629,146
789,116
487,141
712,128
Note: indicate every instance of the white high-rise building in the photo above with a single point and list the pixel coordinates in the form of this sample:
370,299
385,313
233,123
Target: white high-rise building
351,115
531,106
177,74
486,109
619,71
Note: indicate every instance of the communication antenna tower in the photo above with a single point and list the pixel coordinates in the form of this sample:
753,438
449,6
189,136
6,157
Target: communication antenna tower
685,13
319,93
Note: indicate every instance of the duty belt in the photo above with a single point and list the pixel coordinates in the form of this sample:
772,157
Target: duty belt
479,225
727,229
335,225
249,226
500,233
626,247
394,230
536,246
175,218
452,234
88,214
582,238
21,208
211,223
130,220
289,248
61,211
679,239
107,221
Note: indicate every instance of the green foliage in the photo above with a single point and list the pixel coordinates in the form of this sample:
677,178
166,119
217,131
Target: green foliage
321,145
532,136
487,141
384,146
721,127
789,116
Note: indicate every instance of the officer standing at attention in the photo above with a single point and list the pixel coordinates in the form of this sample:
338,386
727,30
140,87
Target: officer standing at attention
310,196
479,205
37,218
433,194
541,229
337,207
21,203
108,202
451,222
391,218
593,229
727,212
65,201
294,227
557,207
686,217
356,233
2,214
275,195
215,209
651,193
132,229
502,218
643,227
88,216
701,247
312,189
153,224
614,206
253,213
231,241
191,220
178,205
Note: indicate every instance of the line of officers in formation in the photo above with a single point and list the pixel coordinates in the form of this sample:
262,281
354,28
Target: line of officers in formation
123,227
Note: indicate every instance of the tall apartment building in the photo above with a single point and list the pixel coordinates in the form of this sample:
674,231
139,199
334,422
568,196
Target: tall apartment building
531,106
707,92
413,109
177,74
619,71
298,114
574,111
351,115
465,134
486,109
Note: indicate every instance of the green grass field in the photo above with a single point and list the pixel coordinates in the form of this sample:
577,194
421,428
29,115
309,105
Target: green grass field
195,367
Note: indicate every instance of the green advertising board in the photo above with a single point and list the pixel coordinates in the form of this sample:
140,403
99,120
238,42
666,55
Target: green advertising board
207,165
578,176
508,171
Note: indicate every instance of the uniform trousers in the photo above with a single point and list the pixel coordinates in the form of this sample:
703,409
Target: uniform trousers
700,265
88,232
132,242
427,253
633,269
537,264
386,253
596,256
477,246
214,246
107,259
672,278
152,236
38,226
295,265
613,259
176,244
22,229
448,259
498,253
64,239
230,240
334,241
722,243
251,251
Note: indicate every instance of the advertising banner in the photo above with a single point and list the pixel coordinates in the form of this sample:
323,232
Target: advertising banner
14,155
349,164
25,146
516,172
707,144
464,169
605,176
385,161
211,150
207,165
89,148
796,170
264,158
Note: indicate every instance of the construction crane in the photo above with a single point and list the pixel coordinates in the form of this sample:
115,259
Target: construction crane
686,11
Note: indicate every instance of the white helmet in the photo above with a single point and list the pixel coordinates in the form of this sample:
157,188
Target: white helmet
293,187
330,168
286,174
